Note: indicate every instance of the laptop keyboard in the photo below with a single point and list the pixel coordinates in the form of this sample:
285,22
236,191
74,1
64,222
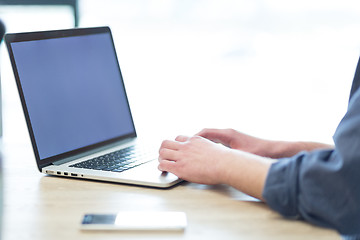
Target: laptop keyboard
117,161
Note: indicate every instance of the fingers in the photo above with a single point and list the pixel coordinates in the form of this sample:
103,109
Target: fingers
169,149
166,166
168,154
169,144
209,133
175,145
215,132
182,138
215,135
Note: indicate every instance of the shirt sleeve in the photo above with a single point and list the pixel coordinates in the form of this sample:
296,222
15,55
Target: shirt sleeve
323,186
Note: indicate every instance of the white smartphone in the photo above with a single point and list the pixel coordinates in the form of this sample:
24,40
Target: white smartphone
135,221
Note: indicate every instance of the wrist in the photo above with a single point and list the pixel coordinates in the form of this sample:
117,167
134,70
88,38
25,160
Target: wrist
223,167
247,173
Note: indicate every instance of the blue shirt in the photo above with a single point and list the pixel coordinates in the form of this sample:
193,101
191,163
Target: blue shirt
323,186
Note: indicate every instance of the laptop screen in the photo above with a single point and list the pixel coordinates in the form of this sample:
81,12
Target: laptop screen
73,91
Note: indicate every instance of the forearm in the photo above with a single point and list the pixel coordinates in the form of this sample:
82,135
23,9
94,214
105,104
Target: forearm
247,173
281,149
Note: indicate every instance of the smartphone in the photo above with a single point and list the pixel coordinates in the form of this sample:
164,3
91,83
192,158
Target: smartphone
135,221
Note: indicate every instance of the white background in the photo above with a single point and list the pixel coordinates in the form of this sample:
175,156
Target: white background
271,68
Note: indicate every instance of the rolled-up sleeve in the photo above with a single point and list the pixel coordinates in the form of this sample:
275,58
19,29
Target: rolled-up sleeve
322,186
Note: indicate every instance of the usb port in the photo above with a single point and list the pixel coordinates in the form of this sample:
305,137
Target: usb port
65,173
74,174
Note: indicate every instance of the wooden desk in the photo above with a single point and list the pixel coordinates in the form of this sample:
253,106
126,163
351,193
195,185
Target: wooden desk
43,207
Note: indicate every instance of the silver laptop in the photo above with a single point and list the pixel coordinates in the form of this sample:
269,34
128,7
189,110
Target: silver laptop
76,108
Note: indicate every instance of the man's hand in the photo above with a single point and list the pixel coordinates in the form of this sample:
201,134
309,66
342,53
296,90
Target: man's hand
194,159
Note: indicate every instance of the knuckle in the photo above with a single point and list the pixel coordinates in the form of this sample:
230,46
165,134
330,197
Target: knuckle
195,138
230,131
179,138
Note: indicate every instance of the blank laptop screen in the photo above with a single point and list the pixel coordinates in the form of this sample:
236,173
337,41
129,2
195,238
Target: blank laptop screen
74,92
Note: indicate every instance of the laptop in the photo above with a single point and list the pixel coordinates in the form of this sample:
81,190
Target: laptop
76,108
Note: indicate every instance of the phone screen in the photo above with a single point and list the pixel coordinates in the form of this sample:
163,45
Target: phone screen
99,219
135,221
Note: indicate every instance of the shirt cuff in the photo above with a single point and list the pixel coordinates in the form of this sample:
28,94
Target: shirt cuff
277,193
